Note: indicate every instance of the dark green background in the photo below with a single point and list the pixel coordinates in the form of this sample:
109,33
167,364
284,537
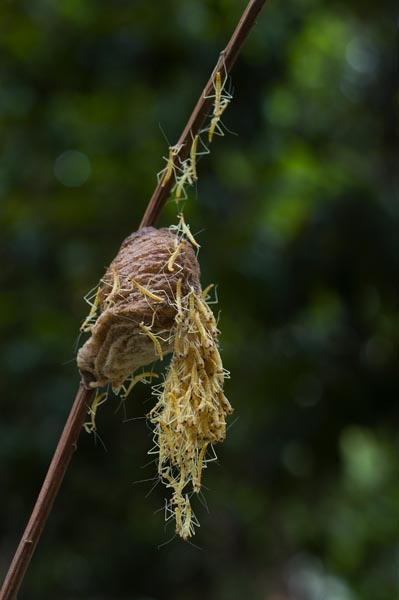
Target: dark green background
298,221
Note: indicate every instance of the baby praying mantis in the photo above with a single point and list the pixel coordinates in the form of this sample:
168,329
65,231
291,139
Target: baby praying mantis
166,173
92,316
99,399
193,157
184,229
145,291
222,99
188,171
186,178
153,338
174,256
184,171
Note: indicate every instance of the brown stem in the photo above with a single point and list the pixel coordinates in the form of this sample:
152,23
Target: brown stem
55,475
67,443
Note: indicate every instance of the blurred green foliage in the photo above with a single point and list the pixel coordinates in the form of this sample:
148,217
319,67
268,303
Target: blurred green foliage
298,220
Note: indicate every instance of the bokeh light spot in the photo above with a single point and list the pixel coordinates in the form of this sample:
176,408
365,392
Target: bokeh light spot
360,56
72,168
365,462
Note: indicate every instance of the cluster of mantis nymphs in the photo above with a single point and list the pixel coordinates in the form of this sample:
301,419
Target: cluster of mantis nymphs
190,413
189,416
185,172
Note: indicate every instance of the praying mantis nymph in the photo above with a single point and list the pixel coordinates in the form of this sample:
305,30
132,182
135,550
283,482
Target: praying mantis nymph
170,168
154,338
174,256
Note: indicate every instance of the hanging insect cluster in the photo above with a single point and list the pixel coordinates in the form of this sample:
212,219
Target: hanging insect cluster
148,304
190,415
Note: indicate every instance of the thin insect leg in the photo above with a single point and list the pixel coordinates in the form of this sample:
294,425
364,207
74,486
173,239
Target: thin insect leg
162,331
98,400
153,488
205,149
194,545
91,295
135,380
214,457
121,404
162,509
169,512
216,300
151,462
69,361
76,344
98,437
166,543
134,419
232,423
152,479
203,501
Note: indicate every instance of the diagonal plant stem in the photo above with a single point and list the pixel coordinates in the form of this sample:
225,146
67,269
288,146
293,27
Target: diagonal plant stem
68,440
